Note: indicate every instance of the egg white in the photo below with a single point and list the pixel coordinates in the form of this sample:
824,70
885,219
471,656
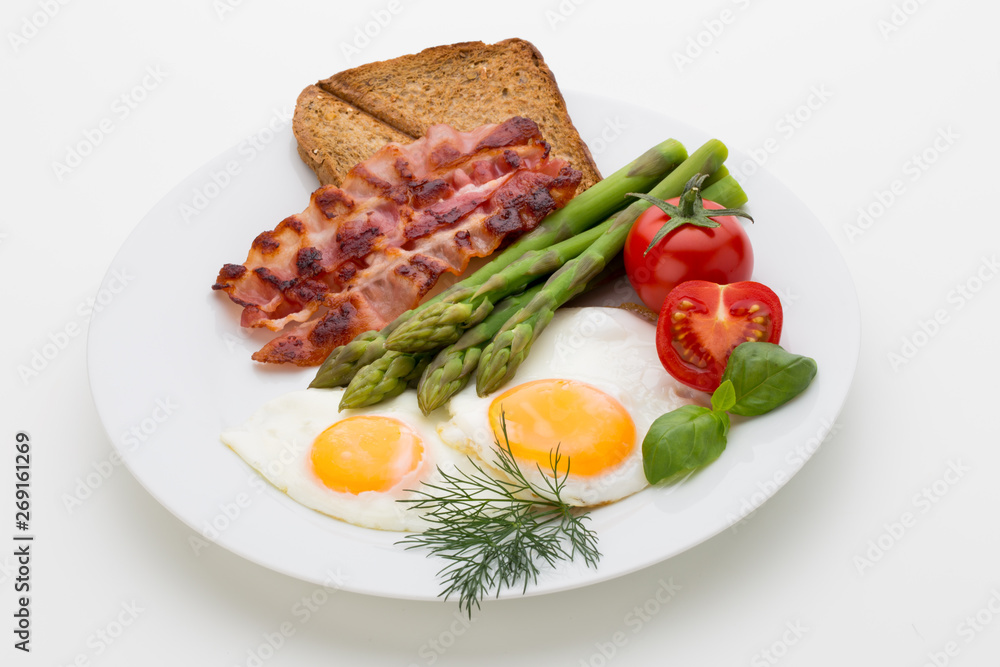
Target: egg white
277,439
607,348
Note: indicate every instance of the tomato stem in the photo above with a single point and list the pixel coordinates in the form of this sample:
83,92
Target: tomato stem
690,199
690,210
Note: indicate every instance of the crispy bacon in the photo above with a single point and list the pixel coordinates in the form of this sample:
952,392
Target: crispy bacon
363,253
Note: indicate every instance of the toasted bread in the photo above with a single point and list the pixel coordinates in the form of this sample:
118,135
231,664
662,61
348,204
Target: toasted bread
333,135
464,85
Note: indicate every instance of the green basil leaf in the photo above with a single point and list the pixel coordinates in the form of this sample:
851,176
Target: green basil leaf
682,440
724,398
765,376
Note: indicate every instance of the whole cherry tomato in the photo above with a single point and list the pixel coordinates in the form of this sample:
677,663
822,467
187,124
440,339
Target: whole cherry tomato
720,254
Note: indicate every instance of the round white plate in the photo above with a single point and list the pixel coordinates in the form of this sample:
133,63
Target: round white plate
170,368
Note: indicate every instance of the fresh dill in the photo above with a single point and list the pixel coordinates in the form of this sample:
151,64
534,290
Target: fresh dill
494,533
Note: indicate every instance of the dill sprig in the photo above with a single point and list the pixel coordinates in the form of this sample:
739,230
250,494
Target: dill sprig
495,533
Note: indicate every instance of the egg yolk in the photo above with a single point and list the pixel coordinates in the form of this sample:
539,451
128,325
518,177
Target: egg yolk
365,453
590,427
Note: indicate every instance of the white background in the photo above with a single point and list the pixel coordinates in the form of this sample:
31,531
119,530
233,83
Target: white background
825,556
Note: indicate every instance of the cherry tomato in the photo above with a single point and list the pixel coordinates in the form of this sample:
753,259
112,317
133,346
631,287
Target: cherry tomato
719,254
701,323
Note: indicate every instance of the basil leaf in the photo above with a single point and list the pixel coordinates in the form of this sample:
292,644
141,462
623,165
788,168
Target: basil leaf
724,398
765,376
683,440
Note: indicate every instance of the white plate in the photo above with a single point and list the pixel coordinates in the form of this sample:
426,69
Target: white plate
170,368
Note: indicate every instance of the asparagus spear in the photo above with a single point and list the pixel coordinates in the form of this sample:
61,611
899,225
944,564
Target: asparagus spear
713,178
442,323
581,213
451,368
344,362
384,378
726,192
501,358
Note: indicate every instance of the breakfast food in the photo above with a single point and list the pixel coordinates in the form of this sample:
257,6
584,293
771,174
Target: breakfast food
342,120
427,161
370,250
595,414
353,466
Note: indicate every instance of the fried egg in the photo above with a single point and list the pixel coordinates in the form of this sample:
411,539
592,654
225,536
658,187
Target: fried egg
353,465
592,386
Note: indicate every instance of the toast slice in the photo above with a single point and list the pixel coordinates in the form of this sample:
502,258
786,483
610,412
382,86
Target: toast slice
464,85
333,135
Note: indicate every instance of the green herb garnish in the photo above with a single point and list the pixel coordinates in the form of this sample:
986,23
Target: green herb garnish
765,376
683,440
495,533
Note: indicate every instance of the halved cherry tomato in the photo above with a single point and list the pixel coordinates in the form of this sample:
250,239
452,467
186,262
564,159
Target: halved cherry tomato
720,254
701,323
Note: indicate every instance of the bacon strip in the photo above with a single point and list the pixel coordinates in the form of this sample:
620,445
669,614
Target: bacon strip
361,254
